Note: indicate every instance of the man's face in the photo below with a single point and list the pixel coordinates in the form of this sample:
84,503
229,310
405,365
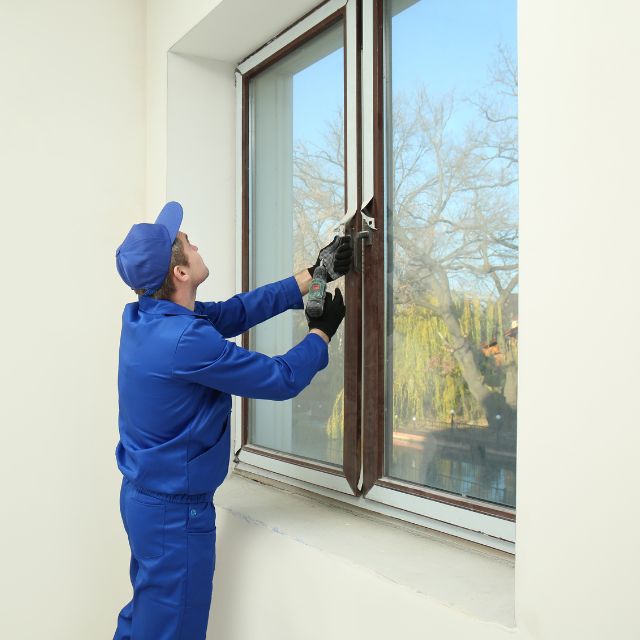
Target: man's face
197,269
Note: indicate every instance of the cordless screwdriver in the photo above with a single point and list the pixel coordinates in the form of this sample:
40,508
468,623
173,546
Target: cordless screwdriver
321,274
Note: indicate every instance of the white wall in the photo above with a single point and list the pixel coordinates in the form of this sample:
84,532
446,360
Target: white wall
72,167
577,542
167,21
270,586
201,162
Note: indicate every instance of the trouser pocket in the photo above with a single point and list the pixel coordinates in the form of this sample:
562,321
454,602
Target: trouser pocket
200,567
146,527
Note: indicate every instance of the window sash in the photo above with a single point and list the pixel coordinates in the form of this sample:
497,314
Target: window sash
376,486
374,328
347,477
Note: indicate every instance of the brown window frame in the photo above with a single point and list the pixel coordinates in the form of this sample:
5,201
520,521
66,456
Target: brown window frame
364,356
351,464
373,318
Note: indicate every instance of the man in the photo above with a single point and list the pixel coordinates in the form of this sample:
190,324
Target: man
176,374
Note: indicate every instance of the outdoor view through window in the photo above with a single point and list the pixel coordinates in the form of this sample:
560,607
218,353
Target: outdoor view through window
297,196
450,240
452,245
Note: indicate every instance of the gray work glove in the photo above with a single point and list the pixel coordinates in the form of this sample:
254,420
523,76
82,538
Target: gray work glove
336,257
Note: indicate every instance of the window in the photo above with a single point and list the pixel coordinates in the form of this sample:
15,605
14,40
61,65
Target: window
297,190
401,117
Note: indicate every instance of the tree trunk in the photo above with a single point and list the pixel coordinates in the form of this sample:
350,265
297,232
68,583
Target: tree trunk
500,415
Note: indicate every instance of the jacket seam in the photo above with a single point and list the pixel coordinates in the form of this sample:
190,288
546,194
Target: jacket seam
173,357
226,346
173,366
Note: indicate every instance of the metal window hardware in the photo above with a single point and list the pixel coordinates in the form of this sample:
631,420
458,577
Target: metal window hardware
366,207
367,238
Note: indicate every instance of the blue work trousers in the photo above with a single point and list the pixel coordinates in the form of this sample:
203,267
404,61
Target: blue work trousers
172,540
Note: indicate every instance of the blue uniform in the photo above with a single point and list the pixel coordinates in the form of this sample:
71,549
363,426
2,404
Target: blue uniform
176,373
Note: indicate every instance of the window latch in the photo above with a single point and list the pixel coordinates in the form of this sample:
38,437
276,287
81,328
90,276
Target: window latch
366,237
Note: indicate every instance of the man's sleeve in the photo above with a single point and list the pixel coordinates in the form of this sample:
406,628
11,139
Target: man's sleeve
245,310
203,356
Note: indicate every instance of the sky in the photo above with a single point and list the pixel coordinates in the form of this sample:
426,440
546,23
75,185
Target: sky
448,44
318,95
444,44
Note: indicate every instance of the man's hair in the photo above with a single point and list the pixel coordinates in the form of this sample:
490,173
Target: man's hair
178,258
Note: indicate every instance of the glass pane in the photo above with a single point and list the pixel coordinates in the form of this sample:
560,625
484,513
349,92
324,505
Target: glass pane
452,246
297,183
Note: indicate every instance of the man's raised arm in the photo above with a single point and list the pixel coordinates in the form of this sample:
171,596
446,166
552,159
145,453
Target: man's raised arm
245,310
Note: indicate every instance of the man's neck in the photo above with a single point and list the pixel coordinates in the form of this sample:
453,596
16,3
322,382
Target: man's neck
185,298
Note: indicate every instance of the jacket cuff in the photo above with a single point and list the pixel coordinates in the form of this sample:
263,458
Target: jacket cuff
292,293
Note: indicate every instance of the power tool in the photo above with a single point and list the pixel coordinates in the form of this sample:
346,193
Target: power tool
321,275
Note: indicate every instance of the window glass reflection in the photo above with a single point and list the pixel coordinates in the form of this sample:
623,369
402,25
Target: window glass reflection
452,245
297,196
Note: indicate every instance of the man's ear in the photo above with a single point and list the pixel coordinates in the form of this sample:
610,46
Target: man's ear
180,273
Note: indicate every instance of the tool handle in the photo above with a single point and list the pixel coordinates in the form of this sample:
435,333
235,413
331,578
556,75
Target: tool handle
317,290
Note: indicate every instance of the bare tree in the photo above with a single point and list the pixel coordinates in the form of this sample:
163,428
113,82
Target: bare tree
318,189
452,211
454,216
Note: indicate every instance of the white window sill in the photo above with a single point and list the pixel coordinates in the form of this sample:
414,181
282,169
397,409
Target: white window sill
473,579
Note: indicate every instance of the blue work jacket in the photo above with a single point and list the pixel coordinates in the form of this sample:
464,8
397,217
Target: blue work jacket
176,375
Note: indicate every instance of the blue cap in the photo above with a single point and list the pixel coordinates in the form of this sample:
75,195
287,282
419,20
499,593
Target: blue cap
144,257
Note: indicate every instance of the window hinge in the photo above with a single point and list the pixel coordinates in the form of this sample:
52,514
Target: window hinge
365,209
